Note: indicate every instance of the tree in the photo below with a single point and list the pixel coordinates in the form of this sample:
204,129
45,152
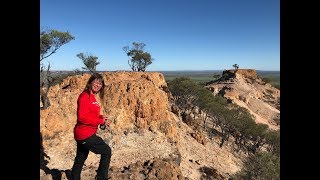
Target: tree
139,58
262,165
236,66
50,42
216,76
89,61
273,140
45,84
183,90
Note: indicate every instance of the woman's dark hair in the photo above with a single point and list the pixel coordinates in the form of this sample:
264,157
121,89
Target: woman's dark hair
89,84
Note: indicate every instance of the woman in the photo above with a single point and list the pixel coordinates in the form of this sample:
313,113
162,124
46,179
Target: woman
88,120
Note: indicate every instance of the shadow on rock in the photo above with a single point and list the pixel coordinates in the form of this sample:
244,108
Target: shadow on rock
55,173
210,173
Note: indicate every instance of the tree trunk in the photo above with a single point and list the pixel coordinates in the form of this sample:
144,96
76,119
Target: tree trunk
44,99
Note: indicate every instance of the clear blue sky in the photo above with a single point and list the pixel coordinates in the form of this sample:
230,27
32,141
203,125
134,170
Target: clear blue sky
179,34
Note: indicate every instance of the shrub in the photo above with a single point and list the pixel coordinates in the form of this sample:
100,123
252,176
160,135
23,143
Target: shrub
262,165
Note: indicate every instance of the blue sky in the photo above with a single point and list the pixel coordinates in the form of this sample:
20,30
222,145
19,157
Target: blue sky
179,34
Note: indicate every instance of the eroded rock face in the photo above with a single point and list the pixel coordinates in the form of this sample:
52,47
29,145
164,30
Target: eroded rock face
138,99
132,99
247,73
246,89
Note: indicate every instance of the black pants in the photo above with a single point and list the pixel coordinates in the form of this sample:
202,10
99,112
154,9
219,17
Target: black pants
96,145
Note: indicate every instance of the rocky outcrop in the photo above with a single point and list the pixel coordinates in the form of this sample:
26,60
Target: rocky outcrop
247,73
245,88
132,100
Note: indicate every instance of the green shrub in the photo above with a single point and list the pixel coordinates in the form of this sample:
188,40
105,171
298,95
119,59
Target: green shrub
262,165
57,79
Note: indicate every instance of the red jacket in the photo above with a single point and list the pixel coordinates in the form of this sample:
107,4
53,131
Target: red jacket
88,116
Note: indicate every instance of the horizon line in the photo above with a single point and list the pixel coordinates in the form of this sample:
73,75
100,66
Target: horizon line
168,70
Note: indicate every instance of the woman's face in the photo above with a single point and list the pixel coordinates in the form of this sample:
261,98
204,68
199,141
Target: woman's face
96,85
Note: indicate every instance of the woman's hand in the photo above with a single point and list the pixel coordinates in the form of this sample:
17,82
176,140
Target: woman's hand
106,121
